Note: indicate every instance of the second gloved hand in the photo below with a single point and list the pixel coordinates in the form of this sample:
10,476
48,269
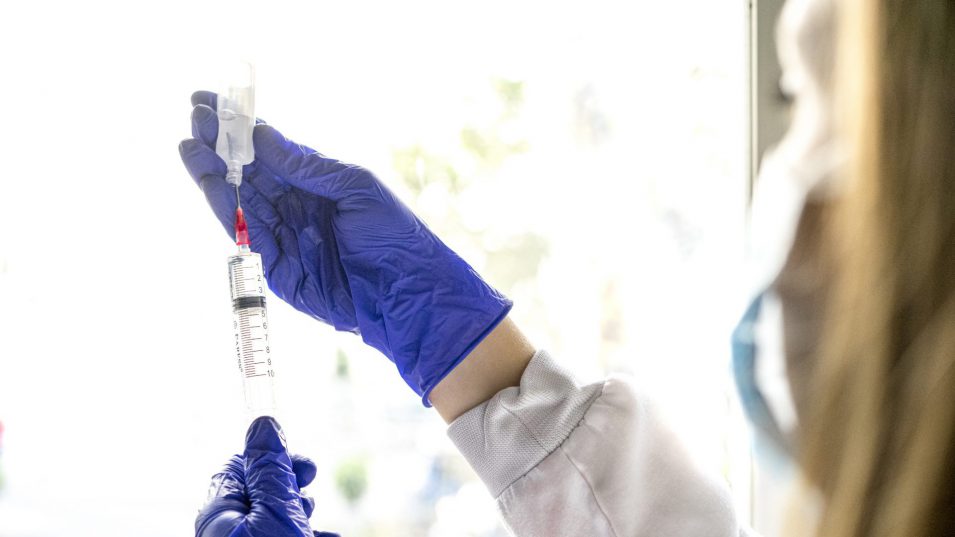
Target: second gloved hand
338,245
258,493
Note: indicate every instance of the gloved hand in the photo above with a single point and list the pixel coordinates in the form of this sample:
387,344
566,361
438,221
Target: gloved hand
338,245
258,494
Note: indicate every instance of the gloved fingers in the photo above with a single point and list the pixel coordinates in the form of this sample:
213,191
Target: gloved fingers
234,469
208,171
276,506
226,505
200,160
207,98
205,128
267,184
325,534
210,99
229,483
268,233
205,125
220,518
301,166
305,470
275,221
308,505
277,243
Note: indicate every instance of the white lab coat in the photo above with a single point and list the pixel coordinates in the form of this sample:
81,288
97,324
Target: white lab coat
594,460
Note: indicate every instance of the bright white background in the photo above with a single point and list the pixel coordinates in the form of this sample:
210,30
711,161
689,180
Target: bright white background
118,391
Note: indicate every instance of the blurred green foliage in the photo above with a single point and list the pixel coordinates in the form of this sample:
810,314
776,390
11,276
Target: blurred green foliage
511,93
341,364
351,479
417,167
517,260
488,146
487,151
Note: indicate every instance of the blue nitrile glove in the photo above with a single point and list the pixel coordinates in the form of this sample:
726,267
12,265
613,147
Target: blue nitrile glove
258,493
338,245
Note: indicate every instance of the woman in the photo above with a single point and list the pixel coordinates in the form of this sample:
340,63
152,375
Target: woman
865,290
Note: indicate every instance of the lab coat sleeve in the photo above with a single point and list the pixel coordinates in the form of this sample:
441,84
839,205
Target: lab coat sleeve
565,459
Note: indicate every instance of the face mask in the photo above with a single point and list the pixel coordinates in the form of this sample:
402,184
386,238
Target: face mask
759,370
760,373
759,357
800,169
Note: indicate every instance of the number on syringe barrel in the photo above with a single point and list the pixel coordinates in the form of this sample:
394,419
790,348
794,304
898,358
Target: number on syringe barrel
238,344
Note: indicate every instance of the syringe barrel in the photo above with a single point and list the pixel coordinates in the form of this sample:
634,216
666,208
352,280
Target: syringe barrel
251,329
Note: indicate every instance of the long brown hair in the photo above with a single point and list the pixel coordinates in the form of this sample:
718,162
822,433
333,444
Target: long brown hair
878,437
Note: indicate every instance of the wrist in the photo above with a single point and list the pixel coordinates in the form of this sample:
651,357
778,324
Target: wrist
496,363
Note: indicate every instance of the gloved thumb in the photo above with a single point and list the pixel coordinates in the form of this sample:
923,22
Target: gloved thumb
271,486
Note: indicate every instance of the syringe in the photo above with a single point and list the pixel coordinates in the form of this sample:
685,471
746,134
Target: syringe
253,353
251,324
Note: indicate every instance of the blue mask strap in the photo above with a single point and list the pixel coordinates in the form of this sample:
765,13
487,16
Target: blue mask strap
744,371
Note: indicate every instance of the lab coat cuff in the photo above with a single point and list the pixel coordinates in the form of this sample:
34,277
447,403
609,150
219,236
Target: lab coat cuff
507,436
